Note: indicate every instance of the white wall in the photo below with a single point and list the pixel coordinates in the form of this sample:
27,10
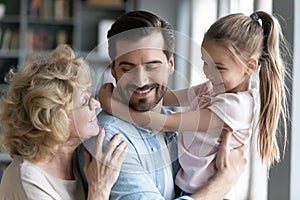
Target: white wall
295,136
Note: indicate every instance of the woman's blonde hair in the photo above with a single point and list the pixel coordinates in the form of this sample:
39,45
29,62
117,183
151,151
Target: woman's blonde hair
260,35
34,120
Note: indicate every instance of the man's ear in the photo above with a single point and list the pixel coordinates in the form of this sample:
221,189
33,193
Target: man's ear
252,65
171,65
112,69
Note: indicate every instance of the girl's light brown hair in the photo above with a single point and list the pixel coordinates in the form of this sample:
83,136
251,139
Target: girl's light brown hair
246,37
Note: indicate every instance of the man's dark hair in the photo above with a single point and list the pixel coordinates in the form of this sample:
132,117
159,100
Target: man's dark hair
137,24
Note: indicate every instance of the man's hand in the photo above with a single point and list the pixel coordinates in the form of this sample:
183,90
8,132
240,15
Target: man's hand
231,162
230,165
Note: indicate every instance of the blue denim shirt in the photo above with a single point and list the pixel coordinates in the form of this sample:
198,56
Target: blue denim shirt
142,174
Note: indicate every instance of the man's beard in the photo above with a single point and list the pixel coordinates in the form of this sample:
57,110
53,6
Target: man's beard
145,104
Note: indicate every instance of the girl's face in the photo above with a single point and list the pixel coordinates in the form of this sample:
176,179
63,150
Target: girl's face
83,117
225,72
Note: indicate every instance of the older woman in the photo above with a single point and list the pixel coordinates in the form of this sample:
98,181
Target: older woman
47,112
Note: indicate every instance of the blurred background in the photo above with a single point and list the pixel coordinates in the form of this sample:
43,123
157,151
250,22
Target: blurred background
30,26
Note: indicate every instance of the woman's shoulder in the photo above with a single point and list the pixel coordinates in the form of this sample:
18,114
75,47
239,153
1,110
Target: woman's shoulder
12,176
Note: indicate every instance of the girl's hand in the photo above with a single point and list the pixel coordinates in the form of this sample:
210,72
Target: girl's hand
105,97
205,88
104,168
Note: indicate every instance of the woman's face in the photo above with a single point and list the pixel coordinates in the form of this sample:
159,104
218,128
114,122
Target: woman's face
84,123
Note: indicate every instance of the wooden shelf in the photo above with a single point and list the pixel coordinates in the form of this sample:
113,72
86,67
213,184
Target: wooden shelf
76,26
10,19
51,21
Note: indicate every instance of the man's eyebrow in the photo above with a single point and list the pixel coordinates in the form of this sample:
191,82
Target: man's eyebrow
126,63
132,64
153,62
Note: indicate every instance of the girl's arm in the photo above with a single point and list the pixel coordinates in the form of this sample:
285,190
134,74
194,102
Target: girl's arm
183,97
198,120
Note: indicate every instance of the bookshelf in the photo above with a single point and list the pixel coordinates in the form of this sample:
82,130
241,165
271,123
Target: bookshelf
31,26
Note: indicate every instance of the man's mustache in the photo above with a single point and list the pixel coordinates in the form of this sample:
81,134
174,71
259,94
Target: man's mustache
145,87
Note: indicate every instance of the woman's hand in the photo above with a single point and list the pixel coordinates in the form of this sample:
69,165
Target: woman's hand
104,168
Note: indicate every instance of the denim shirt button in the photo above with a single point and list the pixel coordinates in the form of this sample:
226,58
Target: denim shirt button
158,186
153,149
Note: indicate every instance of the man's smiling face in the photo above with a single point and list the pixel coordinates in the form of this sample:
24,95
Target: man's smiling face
142,73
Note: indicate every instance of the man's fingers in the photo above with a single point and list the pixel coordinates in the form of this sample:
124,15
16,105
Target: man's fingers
225,144
241,151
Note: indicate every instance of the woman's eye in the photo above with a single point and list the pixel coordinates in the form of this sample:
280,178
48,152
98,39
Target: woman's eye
85,101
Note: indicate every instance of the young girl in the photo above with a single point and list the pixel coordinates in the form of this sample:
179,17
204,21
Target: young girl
235,49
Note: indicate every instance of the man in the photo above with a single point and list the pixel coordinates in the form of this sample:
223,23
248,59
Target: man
141,47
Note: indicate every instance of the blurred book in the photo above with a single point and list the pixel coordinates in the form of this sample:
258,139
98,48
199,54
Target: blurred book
61,9
7,35
14,43
58,9
1,35
61,37
39,39
106,2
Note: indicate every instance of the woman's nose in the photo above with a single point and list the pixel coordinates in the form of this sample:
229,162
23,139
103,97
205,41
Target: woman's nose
93,103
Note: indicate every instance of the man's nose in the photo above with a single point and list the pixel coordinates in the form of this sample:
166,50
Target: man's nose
140,76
